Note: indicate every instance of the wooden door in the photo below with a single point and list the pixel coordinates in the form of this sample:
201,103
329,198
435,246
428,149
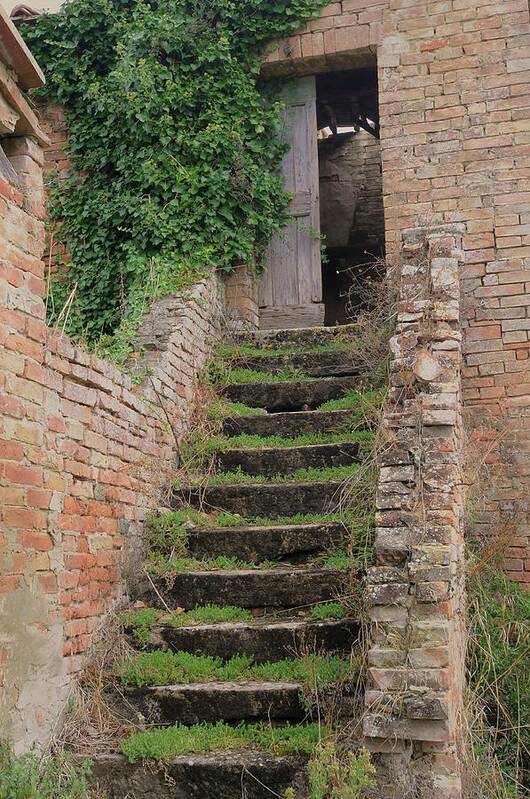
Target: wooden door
291,286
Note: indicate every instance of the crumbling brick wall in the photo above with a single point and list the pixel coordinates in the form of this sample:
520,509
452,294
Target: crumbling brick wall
84,454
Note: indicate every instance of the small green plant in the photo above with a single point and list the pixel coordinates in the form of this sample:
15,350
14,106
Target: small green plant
223,408
171,668
141,622
31,777
241,351
159,564
338,560
323,473
247,441
329,610
165,743
241,376
338,775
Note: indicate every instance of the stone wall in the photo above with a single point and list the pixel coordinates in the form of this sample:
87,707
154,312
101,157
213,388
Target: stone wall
416,679
84,455
455,107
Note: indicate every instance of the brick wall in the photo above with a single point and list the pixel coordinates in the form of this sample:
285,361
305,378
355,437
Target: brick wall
455,140
84,454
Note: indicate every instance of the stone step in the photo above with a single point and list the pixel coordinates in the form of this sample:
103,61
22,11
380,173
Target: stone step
210,702
290,424
304,337
270,461
284,586
265,641
223,775
293,395
265,499
258,543
317,364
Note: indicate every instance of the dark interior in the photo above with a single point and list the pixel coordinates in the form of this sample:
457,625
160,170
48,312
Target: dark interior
351,197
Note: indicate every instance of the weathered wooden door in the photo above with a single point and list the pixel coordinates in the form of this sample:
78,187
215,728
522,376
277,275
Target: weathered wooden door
291,286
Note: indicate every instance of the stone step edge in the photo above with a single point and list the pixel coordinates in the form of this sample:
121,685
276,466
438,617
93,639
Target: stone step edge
267,528
287,624
296,448
261,484
231,573
273,384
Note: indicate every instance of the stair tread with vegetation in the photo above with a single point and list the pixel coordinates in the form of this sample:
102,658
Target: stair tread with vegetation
241,616
263,640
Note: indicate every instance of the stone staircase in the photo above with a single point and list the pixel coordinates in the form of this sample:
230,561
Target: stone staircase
279,597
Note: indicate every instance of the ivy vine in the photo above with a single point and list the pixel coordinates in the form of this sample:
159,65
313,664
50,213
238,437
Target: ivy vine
174,144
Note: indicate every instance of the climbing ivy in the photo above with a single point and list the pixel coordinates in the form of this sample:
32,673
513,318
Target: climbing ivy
175,146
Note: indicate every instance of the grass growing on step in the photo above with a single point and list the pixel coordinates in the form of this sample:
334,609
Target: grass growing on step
252,351
300,475
247,441
366,406
182,668
166,743
338,560
222,408
141,621
329,610
255,376
159,564
189,518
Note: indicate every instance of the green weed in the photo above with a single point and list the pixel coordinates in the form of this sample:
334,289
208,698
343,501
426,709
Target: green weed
223,408
141,622
498,658
302,475
158,564
246,441
31,777
329,610
182,668
339,775
166,743
240,376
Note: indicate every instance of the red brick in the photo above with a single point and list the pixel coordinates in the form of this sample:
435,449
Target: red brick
39,541
23,475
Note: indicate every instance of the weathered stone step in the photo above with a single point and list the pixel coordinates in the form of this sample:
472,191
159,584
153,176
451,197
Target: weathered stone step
202,776
264,641
316,364
210,702
306,337
265,499
285,587
290,424
292,395
260,543
270,461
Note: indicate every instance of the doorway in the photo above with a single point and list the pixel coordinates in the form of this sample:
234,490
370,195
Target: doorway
316,267
350,185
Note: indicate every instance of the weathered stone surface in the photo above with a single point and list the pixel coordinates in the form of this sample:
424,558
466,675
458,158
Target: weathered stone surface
290,424
291,396
221,775
264,641
280,587
299,337
317,364
211,702
265,543
274,461
266,499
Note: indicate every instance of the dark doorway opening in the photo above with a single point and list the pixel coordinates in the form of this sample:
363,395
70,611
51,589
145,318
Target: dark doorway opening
351,193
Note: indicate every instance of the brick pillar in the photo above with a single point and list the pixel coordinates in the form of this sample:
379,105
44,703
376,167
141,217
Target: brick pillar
241,296
415,592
